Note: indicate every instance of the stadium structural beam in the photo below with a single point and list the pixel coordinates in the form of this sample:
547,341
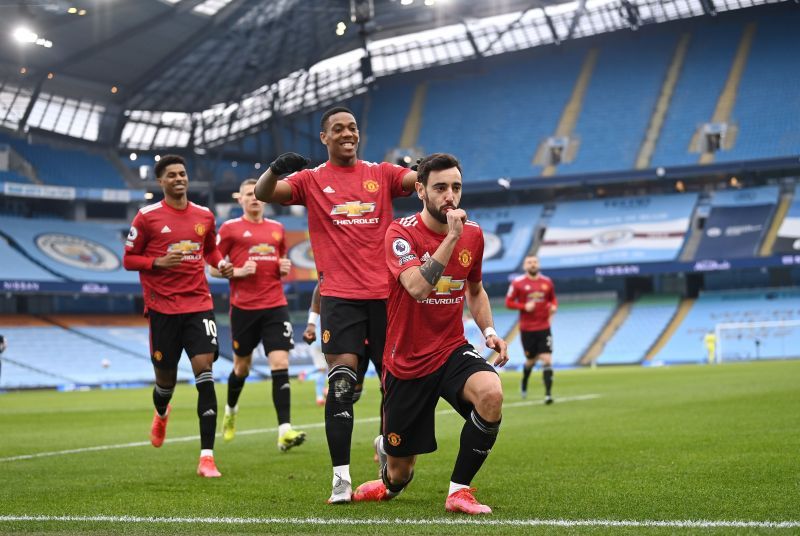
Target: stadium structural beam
23,121
471,39
579,12
499,36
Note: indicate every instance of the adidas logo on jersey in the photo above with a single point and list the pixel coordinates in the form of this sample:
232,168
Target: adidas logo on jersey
166,229
247,234
425,257
329,190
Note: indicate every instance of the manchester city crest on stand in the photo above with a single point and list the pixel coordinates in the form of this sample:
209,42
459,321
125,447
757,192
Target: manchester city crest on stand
78,252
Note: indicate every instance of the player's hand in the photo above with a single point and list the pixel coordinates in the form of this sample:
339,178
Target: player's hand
455,222
248,268
498,345
288,163
226,269
530,306
310,334
170,260
285,267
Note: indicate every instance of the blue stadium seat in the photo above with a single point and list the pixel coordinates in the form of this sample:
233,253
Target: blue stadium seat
647,319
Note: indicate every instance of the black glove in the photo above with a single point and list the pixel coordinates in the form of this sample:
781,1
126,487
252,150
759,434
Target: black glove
288,163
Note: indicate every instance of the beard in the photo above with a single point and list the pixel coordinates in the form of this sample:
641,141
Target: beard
439,215
533,273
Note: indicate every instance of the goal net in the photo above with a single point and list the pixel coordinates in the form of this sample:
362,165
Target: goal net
745,341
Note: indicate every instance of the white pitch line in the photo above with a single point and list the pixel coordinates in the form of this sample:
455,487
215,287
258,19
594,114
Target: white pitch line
677,523
254,431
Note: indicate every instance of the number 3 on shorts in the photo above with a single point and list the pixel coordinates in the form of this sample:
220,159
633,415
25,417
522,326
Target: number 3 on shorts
287,330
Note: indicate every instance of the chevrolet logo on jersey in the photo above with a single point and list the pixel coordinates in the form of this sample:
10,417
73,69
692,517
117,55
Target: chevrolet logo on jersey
446,285
261,249
187,247
352,209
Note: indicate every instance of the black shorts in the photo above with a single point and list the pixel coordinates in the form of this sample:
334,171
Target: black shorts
354,327
170,334
251,326
409,411
537,342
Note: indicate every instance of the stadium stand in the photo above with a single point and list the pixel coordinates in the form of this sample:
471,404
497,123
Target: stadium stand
648,317
17,267
705,70
619,101
389,105
712,308
574,327
788,239
618,230
767,108
78,251
508,233
67,167
500,125
737,222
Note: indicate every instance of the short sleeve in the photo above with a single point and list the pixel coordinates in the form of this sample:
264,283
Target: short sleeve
224,241
299,184
137,235
399,250
395,174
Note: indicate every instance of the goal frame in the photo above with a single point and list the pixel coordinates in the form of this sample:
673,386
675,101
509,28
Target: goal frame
718,328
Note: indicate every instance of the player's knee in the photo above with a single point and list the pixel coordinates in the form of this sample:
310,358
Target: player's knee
242,371
342,383
397,476
490,405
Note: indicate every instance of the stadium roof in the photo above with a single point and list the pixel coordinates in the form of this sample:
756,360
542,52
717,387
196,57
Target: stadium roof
187,55
154,74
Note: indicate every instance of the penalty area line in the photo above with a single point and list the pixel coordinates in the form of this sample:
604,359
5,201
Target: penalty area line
184,439
677,523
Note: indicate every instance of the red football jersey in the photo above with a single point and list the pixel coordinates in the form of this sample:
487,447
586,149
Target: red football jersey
265,243
421,335
158,229
349,210
539,290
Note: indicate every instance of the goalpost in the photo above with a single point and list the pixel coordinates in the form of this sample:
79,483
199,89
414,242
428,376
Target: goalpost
745,341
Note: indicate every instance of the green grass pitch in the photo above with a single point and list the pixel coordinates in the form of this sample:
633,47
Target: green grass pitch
642,445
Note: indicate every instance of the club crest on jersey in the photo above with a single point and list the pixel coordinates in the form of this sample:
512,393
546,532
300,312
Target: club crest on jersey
394,439
371,185
352,209
465,258
277,235
326,336
200,229
187,247
261,249
446,285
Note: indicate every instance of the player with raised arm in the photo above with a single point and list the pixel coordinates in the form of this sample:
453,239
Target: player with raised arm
534,296
259,313
349,204
435,258
168,244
